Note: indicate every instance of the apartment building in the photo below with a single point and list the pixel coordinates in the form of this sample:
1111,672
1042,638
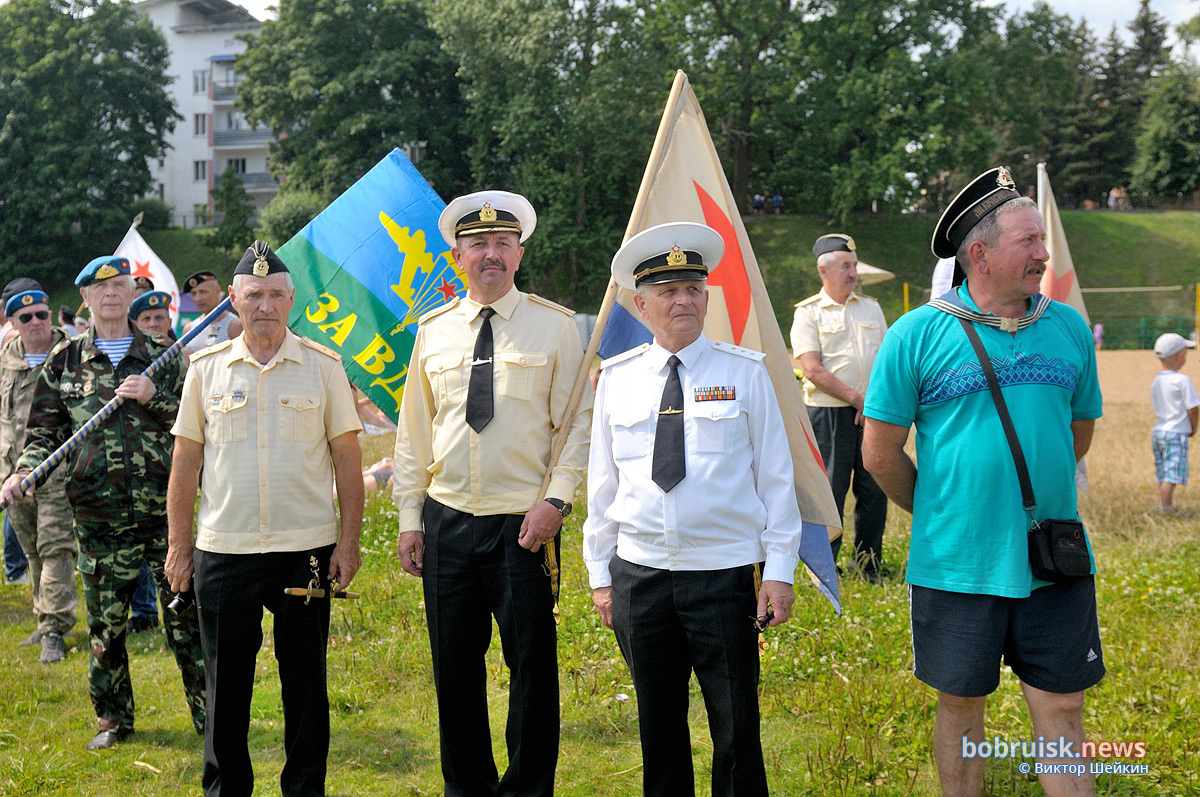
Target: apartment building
201,36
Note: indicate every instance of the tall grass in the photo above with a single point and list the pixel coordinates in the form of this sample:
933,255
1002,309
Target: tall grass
842,714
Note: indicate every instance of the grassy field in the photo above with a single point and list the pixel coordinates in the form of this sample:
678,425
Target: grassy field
842,715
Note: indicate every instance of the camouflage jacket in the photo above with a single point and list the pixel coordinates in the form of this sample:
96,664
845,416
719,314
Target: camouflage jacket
119,473
17,381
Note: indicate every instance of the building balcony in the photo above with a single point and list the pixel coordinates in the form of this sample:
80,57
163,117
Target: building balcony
246,137
254,181
224,91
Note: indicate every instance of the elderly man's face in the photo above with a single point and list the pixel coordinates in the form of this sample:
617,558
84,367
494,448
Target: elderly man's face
491,261
206,295
1018,260
840,274
157,319
675,310
263,304
109,299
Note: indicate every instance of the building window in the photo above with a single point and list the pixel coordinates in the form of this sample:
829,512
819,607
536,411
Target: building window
236,120
200,124
162,191
162,163
200,81
238,165
230,77
199,170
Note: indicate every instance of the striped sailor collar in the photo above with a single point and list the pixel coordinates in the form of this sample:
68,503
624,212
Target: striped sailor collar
958,302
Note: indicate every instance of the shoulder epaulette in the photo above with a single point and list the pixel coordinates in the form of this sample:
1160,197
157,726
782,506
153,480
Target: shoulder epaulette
57,347
213,349
866,296
628,354
740,351
437,311
809,300
553,305
312,344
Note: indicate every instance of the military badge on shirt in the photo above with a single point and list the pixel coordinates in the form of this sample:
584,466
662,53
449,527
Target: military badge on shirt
716,393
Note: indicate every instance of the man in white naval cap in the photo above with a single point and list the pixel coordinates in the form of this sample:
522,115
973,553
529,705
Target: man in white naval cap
693,530
488,386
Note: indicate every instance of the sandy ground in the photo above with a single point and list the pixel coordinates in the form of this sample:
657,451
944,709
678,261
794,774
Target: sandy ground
1125,375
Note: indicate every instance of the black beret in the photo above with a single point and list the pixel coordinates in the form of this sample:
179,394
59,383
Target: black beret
195,279
19,285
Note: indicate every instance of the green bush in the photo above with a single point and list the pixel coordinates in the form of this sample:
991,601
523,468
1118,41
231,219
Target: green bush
156,214
287,214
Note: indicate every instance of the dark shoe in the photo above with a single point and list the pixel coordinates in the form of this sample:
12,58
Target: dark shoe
143,622
106,739
34,639
53,649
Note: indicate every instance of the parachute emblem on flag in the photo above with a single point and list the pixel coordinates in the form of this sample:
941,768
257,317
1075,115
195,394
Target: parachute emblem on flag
424,283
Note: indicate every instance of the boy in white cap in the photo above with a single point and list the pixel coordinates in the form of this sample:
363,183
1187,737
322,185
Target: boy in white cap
1177,406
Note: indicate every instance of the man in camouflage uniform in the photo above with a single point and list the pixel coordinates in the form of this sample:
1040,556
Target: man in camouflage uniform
116,483
42,522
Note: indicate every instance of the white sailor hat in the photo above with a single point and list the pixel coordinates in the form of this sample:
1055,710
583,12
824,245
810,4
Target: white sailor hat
487,211
677,250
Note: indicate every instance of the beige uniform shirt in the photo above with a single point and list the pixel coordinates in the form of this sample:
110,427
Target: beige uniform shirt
499,471
847,337
267,483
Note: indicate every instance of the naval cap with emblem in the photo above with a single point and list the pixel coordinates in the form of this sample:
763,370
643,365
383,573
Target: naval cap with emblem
102,268
487,211
260,260
981,197
677,250
153,300
143,282
22,292
833,242
195,279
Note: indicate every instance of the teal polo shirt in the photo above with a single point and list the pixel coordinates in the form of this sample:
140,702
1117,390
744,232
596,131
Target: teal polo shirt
969,528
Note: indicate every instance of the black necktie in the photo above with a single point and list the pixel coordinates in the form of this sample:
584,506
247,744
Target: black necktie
668,465
479,389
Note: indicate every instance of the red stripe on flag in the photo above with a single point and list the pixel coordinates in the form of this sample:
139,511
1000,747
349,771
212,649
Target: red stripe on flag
1057,287
730,275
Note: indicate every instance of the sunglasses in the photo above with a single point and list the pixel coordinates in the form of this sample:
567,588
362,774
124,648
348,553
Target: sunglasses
41,315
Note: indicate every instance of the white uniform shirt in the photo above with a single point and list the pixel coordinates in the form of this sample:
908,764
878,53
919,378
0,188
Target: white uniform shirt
1173,394
737,503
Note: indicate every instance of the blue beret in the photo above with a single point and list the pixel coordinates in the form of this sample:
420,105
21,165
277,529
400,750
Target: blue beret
24,299
151,300
102,268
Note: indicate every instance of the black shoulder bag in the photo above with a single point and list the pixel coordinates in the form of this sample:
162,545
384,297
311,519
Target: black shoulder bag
1057,548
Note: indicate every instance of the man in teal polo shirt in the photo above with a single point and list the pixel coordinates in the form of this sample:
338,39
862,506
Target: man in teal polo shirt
974,599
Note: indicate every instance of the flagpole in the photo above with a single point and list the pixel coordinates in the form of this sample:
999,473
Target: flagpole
39,474
610,295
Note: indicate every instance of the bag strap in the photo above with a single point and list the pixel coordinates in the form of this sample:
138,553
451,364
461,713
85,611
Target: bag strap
1010,431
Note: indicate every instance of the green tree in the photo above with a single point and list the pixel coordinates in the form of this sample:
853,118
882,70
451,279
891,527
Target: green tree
1168,144
235,230
84,103
347,82
287,213
563,101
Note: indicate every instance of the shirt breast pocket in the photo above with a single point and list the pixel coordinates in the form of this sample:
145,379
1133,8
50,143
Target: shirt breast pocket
444,372
632,434
300,418
833,334
717,424
228,418
519,372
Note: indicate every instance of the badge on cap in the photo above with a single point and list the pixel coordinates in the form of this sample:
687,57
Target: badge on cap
27,299
1004,179
487,212
676,257
260,261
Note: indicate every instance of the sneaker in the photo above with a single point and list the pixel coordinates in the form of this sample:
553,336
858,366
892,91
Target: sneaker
53,649
1173,510
24,578
107,738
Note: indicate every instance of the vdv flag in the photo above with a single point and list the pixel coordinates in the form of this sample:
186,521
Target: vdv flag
144,262
684,181
367,268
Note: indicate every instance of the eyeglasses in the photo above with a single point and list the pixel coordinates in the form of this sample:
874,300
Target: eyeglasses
42,315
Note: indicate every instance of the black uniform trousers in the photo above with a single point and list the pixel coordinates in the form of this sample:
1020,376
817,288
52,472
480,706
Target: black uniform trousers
669,624
839,440
231,592
475,569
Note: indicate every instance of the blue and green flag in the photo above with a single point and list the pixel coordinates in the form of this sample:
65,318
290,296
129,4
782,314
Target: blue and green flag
367,268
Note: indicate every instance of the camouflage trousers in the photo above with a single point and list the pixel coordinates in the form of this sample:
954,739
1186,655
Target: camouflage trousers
110,558
44,527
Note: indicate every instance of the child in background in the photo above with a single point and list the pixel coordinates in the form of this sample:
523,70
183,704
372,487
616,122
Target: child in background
1178,408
